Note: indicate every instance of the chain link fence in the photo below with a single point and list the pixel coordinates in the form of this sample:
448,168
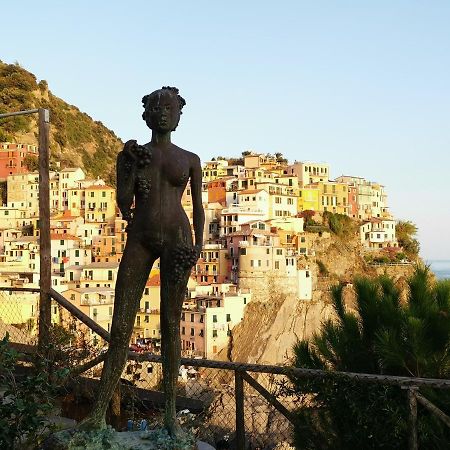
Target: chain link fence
208,395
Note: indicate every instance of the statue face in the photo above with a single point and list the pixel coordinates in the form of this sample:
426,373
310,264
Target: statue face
163,111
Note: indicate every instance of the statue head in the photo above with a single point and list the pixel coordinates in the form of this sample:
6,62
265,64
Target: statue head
163,109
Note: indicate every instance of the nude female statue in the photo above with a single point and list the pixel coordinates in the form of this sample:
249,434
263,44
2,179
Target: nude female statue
154,176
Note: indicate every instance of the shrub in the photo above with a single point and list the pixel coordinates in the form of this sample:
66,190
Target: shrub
386,336
25,402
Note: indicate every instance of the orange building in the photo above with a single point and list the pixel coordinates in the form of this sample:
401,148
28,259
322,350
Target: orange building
12,158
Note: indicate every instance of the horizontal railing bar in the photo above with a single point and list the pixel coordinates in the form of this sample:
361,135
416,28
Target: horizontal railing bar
281,370
94,326
19,289
299,372
19,113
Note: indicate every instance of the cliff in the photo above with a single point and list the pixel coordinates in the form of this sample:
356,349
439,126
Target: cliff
275,319
75,138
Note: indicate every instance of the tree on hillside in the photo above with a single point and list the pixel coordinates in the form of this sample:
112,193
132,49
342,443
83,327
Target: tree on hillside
385,336
308,216
406,232
31,162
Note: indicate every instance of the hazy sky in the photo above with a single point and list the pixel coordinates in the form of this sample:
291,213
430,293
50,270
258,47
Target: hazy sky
364,86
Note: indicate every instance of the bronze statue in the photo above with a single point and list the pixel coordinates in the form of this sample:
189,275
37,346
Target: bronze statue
154,175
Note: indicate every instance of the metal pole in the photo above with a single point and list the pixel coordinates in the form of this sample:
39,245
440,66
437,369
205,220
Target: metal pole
44,231
19,113
412,404
239,395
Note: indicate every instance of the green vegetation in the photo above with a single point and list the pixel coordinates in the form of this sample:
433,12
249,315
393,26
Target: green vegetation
339,224
75,139
24,403
406,232
322,268
385,336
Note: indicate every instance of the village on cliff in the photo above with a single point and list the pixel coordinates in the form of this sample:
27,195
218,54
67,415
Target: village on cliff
264,217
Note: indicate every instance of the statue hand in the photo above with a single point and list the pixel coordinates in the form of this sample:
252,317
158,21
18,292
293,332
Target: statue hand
129,149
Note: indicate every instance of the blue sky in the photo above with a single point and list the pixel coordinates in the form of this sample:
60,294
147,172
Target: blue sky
364,86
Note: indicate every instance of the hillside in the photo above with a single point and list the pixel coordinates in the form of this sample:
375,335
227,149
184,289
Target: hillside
75,138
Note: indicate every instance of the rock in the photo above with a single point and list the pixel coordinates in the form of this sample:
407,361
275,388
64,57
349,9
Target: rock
204,446
109,439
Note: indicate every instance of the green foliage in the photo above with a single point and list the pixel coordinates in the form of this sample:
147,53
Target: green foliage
322,268
339,224
405,232
31,162
72,132
24,404
386,336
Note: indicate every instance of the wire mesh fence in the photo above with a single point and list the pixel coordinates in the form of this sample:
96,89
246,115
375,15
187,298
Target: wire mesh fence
19,316
208,397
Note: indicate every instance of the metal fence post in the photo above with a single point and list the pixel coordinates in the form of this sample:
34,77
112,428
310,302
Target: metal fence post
44,231
239,395
412,405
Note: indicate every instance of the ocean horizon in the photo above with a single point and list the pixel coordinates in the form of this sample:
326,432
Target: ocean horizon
440,267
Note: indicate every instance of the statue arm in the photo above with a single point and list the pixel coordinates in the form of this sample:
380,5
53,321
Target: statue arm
198,212
126,178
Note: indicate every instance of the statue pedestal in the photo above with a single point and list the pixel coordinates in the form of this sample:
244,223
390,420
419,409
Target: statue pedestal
120,440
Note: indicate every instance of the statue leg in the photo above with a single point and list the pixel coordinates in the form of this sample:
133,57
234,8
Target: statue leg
132,276
172,297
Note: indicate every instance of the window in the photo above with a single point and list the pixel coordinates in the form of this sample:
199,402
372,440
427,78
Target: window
279,251
110,275
192,318
277,265
214,333
228,317
192,332
214,318
183,330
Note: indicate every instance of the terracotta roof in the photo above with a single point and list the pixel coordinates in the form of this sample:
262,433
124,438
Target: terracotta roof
99,188
63,237
155,280
102,265
250,191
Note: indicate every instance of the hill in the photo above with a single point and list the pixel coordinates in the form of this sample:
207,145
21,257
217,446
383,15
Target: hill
75,138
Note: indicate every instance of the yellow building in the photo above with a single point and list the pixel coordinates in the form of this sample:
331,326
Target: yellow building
212,170
147,325
309,198
100,204
333,197
95,302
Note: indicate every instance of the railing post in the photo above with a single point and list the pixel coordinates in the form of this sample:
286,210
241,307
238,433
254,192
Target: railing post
239,395
44,231
412,405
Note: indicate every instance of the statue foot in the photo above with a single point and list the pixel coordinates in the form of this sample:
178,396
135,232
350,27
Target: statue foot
91,423
175,431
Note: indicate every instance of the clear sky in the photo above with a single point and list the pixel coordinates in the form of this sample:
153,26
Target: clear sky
364,86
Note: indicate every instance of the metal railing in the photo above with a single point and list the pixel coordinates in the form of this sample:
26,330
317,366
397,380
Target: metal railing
240,400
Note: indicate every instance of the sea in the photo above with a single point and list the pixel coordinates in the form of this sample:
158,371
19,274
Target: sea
440,267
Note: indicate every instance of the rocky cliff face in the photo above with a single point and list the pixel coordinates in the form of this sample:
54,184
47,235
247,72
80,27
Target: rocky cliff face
75,138
275,319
